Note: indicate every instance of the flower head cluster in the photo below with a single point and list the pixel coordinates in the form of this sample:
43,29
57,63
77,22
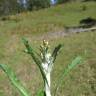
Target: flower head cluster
44,50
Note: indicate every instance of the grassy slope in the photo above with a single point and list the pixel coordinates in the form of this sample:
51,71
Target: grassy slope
52,19
82,80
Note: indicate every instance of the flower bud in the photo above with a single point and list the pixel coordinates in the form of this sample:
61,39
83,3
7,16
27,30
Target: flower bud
45,43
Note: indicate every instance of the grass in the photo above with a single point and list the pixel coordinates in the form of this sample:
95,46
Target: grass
81,81
51,19
82,76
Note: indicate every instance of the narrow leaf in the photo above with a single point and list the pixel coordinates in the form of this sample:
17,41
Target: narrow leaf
55,51
40,93
11,75
75,62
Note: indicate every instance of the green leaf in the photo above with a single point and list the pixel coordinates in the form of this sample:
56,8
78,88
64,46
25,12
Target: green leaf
75,62
11,75
35,58
40,93
55,52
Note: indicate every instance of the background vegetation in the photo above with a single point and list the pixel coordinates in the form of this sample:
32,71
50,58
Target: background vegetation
35,25
17,6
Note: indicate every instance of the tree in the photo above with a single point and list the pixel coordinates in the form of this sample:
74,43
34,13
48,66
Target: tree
37,4
8,7
62,1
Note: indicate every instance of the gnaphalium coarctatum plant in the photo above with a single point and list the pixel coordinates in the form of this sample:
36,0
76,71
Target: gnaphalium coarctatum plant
45,61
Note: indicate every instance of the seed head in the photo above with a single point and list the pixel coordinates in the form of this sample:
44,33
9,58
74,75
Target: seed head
45,43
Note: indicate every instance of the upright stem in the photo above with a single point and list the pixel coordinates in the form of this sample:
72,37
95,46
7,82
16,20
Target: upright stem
46,64
47,85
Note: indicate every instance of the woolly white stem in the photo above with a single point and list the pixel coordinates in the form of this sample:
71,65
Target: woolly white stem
47,85
47,69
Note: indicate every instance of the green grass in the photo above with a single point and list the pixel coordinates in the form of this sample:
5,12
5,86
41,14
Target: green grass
81,81
51,19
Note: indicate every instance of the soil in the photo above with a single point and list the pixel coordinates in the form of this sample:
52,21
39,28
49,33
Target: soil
65,32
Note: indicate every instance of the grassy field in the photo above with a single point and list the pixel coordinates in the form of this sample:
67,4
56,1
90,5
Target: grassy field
51,19
81,81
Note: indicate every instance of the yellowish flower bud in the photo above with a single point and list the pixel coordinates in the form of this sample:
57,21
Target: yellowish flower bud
45,43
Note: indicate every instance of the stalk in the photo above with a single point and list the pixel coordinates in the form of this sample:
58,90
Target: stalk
47,71
47,86
47,64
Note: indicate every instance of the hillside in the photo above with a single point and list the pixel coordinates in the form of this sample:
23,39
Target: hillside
32,25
